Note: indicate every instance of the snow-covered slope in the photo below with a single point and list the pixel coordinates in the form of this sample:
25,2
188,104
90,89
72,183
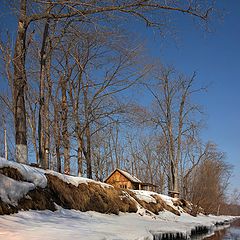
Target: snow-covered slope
38,178
30,174
70,224
11,191
148,215
17,185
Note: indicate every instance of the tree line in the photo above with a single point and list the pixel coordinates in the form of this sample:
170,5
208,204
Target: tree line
81,96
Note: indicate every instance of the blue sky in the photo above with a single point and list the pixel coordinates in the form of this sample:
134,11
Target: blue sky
216,58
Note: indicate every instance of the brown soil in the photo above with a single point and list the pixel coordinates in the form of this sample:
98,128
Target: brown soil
185,205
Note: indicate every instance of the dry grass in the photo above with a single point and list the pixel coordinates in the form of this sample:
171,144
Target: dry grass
6,208
186,206
85,197
152,207
157,207
37,199
88,197
12,173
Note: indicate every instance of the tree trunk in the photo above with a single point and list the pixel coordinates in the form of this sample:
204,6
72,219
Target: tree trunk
31,121
19,86
80,156
175,182
66,142
88,157
87,133
57,148
47,103
56,131
42,114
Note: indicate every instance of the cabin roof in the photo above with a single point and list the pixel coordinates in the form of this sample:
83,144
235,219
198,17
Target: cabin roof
126,174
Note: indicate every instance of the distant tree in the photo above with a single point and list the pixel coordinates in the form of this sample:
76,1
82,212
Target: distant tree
173,113
210,180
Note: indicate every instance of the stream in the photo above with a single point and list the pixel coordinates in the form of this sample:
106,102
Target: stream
231,233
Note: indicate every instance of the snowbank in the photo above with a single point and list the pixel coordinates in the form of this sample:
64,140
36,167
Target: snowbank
76,180
38,178
30,174
145,196
70,224
11,191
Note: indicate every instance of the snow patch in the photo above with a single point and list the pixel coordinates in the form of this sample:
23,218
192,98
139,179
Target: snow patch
76,180
11,190
168,200
38,178
30,174
145,196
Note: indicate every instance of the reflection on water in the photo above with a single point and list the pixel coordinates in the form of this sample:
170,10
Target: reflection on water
232,233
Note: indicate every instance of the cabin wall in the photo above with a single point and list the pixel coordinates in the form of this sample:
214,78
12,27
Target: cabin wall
120,181
149,188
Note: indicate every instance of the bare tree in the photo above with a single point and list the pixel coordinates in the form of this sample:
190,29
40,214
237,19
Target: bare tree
82,12
42,105
172,113
209,182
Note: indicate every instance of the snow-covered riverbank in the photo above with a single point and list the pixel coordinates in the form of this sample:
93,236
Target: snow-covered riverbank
71,224
95,210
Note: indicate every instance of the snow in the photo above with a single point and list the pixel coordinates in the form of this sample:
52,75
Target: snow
11,191
30,174
145,195
76,180
38,178
168,200
70,224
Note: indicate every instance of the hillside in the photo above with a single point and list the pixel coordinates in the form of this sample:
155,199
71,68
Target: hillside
28,188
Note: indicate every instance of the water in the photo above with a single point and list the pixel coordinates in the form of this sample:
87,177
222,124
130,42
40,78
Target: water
231,233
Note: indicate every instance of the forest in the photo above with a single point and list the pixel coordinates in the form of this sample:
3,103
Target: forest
80,94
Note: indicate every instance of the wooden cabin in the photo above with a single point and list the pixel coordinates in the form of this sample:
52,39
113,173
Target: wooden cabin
149,187
122,179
